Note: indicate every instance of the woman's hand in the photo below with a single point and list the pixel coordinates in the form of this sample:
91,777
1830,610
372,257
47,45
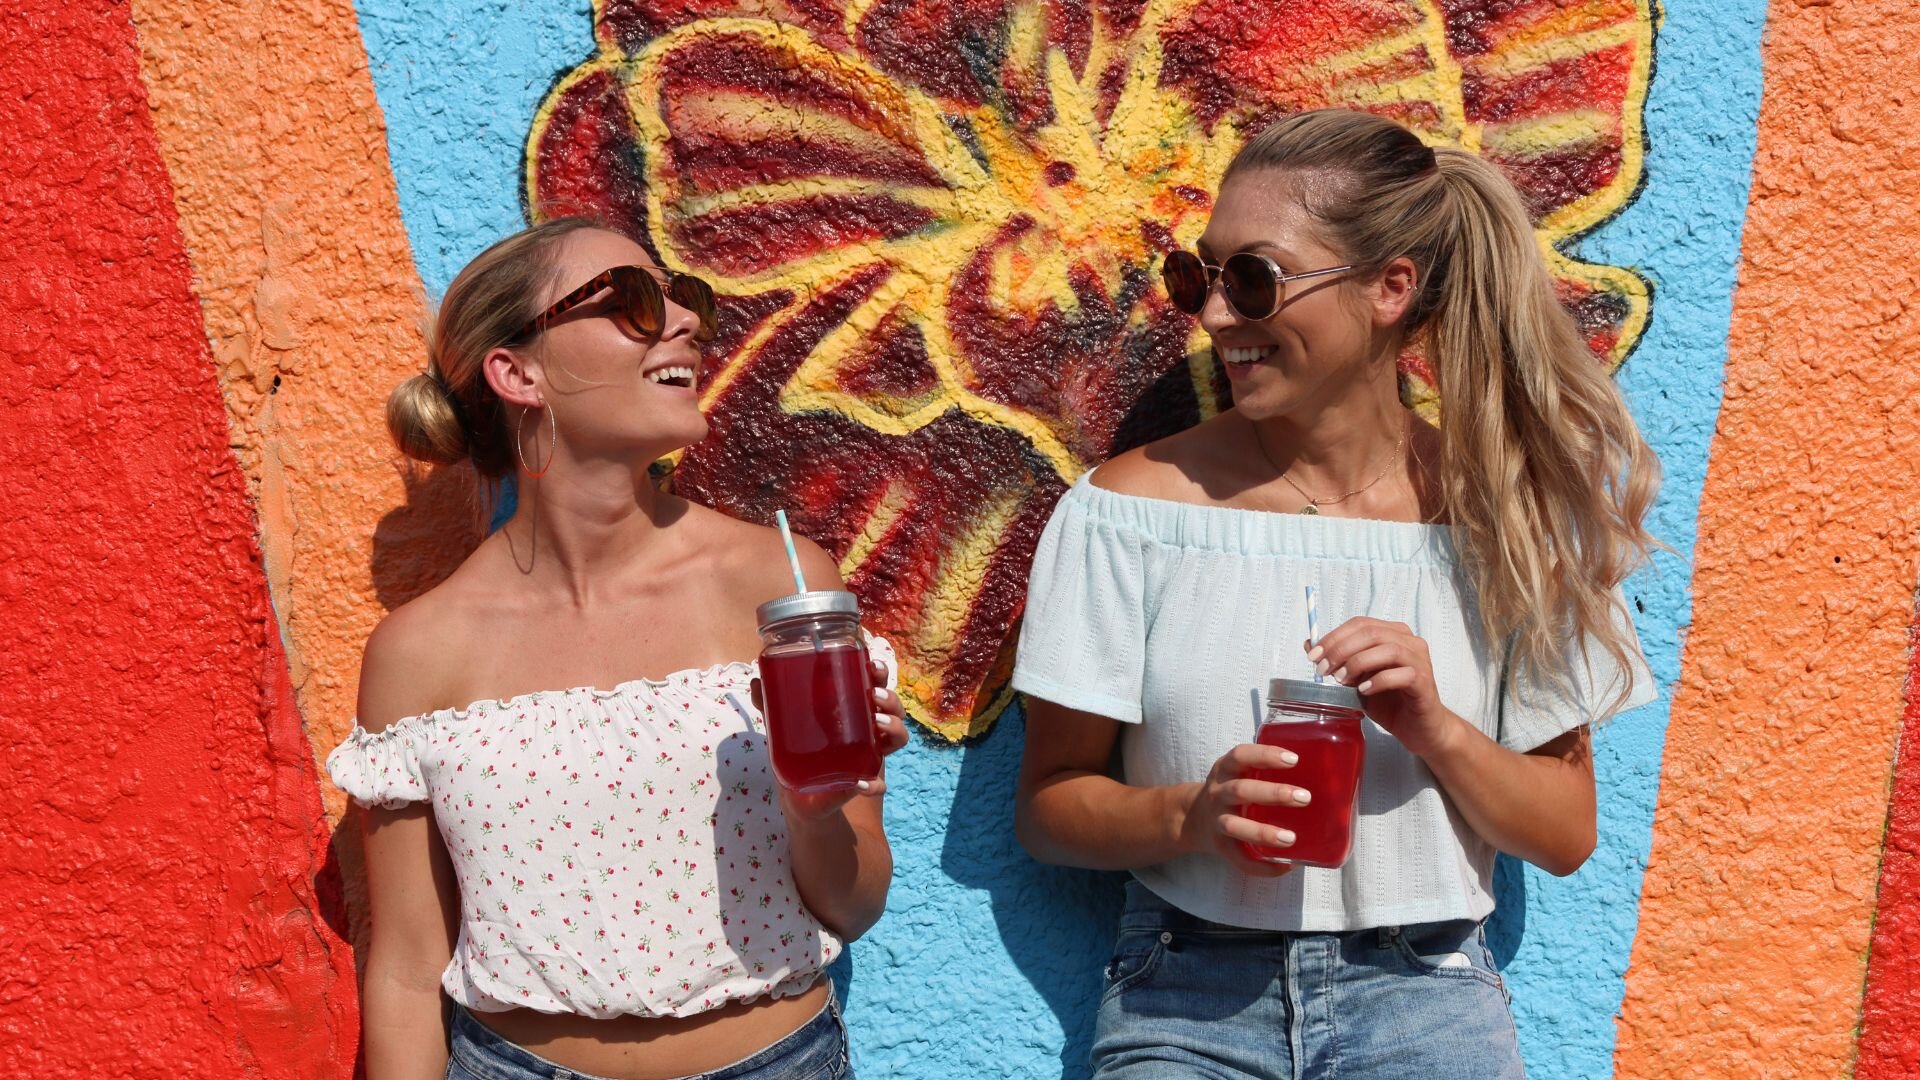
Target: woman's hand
1213,823
1389,666
890,732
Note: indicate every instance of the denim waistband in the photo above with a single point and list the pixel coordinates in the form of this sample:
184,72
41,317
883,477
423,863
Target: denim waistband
823,1038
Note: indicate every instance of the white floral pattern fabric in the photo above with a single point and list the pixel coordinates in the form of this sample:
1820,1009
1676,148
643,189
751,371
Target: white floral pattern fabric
618,851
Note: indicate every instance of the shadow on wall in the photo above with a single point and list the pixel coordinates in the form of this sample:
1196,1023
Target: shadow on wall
418,544
1507,926
1057,924
343,874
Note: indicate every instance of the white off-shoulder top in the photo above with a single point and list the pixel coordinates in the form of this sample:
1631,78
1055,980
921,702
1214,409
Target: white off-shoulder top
1171,617
618,851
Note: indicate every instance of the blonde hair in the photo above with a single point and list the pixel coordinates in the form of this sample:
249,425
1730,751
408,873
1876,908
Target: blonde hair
1543,475
449,414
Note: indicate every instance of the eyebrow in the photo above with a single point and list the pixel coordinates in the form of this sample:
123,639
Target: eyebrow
1280,254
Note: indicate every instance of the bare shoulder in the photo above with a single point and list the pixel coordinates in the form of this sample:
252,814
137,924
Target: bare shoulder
1178,468
751,560
406,668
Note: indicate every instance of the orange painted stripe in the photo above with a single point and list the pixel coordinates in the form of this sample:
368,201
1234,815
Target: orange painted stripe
278,156
1759,895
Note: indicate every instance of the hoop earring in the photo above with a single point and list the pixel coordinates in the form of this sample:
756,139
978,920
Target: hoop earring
519,442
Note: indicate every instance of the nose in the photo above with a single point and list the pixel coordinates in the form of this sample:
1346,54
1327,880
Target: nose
678,322
1216,314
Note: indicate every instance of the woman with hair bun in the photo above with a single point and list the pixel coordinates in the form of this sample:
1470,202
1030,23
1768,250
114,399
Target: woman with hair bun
1469,573
572,830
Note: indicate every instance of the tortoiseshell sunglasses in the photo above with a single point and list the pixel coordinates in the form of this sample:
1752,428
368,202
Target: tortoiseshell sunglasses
639,305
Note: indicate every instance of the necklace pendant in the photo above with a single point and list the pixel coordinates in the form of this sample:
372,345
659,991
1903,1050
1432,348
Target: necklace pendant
1310,509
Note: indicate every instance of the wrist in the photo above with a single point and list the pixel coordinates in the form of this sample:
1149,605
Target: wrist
811,810
1451,739
1179,808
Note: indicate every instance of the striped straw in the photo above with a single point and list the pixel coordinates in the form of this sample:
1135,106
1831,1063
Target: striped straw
793,557
1313,626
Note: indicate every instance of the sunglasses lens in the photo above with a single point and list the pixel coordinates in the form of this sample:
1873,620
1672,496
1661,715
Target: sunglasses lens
1186,280
696,296
1250,286
642,308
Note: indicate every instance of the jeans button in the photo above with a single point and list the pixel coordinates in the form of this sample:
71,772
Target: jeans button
1166,937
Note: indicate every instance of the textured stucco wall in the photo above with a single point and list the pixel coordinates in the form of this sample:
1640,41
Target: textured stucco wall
313,309
1759,899
163,836
227,208
969,910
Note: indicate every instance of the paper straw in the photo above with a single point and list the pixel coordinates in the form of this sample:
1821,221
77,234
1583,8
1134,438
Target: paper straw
1313,627
793,557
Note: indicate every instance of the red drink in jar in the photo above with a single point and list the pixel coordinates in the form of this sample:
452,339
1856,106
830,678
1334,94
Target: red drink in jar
1321,722
817,691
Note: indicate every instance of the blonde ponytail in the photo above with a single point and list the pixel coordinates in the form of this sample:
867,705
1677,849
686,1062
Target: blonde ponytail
1544,477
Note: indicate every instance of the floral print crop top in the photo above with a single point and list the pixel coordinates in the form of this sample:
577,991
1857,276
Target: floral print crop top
619,852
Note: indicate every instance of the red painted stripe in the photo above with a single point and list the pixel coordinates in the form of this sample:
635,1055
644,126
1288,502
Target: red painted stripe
1890,1022
163,832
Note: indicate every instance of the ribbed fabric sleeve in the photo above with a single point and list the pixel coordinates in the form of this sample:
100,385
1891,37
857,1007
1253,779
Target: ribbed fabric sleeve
1534,708
1083,643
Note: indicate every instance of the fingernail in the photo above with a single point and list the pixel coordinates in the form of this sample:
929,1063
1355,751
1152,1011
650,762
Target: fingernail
879,693
1288,757
1282,836
1302,797
864,786
1320,668
883,720
1315,653
1340,676
1365,686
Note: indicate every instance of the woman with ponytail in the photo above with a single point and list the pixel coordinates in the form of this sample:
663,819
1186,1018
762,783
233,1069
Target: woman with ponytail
1469,574
572,833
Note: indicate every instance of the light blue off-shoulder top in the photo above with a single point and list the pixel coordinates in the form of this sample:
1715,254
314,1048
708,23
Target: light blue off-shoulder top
1171,617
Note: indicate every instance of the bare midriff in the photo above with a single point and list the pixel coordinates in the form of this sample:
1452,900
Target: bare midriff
658,1048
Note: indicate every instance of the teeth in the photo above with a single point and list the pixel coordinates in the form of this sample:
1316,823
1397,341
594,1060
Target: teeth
660,375
1244,356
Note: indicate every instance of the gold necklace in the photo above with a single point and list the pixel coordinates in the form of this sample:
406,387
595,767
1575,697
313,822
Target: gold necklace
1313,505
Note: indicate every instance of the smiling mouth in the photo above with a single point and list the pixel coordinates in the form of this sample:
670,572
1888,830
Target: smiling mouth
1242,357
681,377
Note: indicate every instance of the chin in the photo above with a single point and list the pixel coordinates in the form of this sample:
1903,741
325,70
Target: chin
689,434
1261,402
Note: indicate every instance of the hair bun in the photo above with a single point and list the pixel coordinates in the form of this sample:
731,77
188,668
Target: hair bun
424,420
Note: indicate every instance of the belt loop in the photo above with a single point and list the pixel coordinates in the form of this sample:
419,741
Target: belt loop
1385,936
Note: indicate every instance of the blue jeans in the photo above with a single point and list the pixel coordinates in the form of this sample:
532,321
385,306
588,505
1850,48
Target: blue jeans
817,1050
1190,998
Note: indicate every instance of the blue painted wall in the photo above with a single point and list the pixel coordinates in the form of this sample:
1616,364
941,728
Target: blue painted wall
987,964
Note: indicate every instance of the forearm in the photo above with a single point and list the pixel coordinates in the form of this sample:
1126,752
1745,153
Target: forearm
1095,822
842,870
402,1035
1538,807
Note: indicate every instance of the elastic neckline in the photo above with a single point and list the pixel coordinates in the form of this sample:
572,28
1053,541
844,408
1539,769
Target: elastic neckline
1086,480
1265,533
682,677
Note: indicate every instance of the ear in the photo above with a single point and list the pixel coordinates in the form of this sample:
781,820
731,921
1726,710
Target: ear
1394,291
513,377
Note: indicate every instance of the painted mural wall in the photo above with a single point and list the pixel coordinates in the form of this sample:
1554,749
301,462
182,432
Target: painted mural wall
934,226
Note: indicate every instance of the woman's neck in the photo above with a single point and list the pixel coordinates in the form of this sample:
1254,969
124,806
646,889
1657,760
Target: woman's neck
1337,448
574,527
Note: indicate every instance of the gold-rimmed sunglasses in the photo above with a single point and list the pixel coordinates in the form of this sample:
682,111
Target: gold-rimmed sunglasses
1254,285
